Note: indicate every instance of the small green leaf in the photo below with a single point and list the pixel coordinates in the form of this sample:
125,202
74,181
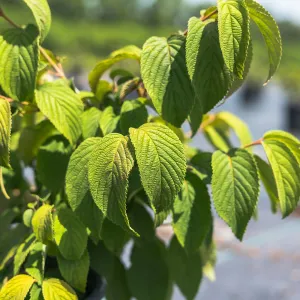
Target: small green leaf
109,168
36,293
192,210
69,234
5,132
128,52
103,88
17,288
42,224
234,32
42,14
55,289
202,162
75,272
235,188
270,31
90,122
27,217
63,108
161,161
166,79
19,56
109,121
186,270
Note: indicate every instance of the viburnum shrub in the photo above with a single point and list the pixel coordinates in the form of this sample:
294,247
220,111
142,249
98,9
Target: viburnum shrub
89,172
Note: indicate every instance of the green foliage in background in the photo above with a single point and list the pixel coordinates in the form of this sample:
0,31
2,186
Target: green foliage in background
110,165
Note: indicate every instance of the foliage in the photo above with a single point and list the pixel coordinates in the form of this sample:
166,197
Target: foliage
107,172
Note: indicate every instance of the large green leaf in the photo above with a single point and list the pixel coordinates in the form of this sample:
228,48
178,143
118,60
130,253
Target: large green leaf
166,79
90,122
161,161
109,168
42,14
42,224
62,107
19,56
128,52
191,214
234,32
270,32
55,289
235,188
286,172
69,234
186,270
75,272
5,131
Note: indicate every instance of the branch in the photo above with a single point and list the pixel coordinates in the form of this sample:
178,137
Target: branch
256,143
5,17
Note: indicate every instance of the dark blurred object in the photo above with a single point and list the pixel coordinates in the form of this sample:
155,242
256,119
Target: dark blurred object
250,92
293,112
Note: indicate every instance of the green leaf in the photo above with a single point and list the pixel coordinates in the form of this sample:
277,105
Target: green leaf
162,163
90,122
166,79
19,56
235,188
133,114
234,32
192,210
150,260
42,14
52,175
202,162
102,89
5,132
286,172
128,52
75,272
109,121
17,288
27,217
109,168
270,32
36,293
62,107
208,72
55,289
267,177
186,270
42,223
69,234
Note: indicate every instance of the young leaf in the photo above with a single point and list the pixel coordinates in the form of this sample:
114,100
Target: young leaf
128,52
166,79
191,213
270,32
186,270
234,32
19,56
5,132
75,272
208,72
235,188
42,224
161,162
109,168
42,15
90,122
63,108
55,289
69,234
109,121
36,293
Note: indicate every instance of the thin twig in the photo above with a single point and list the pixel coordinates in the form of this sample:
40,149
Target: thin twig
11,22
3,190
7,99
256,143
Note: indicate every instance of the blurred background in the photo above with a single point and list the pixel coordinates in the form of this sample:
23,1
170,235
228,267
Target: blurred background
267,265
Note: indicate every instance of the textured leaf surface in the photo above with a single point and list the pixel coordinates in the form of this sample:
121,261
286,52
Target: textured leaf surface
17,288
63,108
109,168
55,289
186,270
5,131
270,32
234,31
235,188
42,15
166,79
109,121
161,162
42,224
90,122
19,62
75,271
191,214
69,234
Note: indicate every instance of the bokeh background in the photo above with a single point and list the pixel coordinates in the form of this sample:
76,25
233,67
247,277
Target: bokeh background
267,265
